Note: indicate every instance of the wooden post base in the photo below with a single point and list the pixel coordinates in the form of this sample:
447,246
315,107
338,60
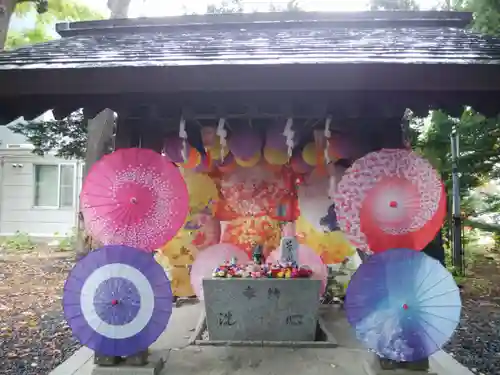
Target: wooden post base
382,366
139,359
139,364
107,361
387,364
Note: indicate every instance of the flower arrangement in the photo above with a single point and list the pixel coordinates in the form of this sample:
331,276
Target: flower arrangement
268,270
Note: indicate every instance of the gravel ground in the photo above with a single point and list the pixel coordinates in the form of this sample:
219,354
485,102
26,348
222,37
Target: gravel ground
34,337
476,343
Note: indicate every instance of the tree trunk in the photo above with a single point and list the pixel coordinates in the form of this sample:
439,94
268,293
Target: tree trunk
6,10
118,8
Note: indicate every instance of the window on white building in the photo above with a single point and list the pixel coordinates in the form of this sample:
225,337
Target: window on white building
54,185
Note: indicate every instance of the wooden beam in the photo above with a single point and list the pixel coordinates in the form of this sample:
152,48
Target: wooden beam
302,76
203,106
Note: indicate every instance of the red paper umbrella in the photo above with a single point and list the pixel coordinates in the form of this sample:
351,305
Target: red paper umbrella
390,199
134,197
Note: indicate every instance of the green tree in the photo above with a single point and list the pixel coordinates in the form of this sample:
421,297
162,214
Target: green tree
236,6
290,6
479,154
486,16
486,13
48,14
451,5
231,6
394,5
67,137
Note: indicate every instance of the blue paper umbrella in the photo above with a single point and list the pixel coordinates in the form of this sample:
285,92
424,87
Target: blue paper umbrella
117,300
403,304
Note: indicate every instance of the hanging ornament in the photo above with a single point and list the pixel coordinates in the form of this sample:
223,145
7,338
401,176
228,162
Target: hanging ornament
336,172
289,134
222,133
250,162
275,157
299,165
319,139
308,154
183,135
320,143
208,134
192,158
216,149
274,137
328,134
245,143
276,150
205,165
227,165
299,180
172,148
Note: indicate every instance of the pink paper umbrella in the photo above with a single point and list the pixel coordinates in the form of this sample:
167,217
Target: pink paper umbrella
307,257
134,197
392,198
209,259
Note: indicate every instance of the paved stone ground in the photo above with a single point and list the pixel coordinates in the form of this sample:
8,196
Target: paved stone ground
190,360
265,361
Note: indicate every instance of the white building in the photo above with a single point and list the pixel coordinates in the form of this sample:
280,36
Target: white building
38,195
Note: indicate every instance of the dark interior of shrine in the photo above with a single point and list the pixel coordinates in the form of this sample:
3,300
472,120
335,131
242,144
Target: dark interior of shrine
362,69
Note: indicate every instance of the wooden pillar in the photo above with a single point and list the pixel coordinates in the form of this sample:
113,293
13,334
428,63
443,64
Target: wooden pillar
127,135
100,130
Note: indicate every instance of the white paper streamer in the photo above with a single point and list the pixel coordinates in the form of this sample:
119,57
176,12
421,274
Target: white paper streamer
222,134
328,134
289,134
183,135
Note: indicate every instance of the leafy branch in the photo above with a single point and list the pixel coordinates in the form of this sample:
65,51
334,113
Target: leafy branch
67,137
48,13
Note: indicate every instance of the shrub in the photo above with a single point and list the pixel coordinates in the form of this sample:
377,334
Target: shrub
19,241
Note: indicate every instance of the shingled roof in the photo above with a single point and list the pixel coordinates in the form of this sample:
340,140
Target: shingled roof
409,37
388,51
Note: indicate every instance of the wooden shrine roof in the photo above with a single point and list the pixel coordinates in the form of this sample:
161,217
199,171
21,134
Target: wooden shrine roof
423,52
104,44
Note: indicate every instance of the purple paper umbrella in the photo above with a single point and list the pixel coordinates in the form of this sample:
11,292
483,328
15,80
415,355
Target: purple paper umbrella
403,304
245,143
117,300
